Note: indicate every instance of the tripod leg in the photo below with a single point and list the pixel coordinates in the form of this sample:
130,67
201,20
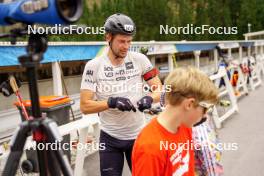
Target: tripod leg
53,136
53,166
64,163
16,149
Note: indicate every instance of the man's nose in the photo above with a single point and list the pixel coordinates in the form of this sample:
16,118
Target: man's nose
126,45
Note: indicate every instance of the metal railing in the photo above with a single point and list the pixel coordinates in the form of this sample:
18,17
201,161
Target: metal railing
92,121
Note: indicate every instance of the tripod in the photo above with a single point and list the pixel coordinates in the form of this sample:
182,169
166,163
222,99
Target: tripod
44,130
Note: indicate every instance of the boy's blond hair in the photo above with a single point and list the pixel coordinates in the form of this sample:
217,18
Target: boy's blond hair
190,82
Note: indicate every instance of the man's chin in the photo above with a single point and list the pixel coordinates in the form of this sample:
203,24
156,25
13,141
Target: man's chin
120,57
123,55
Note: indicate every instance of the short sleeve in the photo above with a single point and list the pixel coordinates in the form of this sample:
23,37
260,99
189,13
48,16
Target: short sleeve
89,76
145,64
148,71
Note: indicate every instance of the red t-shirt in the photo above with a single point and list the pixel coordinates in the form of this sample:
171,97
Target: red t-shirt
160,152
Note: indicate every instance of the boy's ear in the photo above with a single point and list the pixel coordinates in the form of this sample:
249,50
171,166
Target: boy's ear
189,103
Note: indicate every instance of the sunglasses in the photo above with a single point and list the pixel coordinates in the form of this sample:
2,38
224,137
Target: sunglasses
208,107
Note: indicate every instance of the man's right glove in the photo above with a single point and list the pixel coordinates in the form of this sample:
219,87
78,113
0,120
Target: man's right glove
123,104
6,88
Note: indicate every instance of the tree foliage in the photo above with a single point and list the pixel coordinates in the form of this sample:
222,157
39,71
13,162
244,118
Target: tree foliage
150,14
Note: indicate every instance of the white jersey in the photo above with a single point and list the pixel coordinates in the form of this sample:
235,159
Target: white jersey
125,80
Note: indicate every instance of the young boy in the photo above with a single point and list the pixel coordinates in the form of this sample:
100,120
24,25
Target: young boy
164,146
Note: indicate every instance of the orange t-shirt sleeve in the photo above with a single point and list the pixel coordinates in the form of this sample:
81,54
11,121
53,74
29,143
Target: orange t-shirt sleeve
147,164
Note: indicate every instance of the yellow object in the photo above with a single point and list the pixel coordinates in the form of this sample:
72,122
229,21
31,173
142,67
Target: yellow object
225,103
5,146
237,93
218,156
174,61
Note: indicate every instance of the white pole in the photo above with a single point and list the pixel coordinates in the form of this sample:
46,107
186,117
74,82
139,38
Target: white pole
170,62
246,37
240,54
57,83
256,50
80,156
152,60
197,58
216,59
229,52
249,51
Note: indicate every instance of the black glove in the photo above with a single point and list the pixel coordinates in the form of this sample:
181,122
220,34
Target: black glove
123,104
145,103
6,89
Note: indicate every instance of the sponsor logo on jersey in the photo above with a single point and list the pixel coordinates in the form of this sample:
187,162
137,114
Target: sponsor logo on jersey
105,80
108,68
89,81
149,68
109,74
132,71
120,72
121,78
135,75
108,71
129,65
89,72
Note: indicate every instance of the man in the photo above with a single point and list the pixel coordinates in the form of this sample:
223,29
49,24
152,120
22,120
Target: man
164,147
112,85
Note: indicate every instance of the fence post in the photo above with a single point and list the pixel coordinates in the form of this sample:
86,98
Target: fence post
56,76
229,90
197,58
170,62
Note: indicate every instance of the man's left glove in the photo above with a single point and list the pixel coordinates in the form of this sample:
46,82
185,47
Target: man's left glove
145,103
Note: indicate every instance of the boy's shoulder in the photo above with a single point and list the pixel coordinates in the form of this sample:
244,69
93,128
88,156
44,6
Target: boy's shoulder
152,135
149,138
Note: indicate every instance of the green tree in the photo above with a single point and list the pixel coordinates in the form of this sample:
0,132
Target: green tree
219,16
186,16
248,14
201,18
150,14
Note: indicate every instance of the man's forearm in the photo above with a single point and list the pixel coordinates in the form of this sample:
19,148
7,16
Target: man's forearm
156,87
91,106
156,96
